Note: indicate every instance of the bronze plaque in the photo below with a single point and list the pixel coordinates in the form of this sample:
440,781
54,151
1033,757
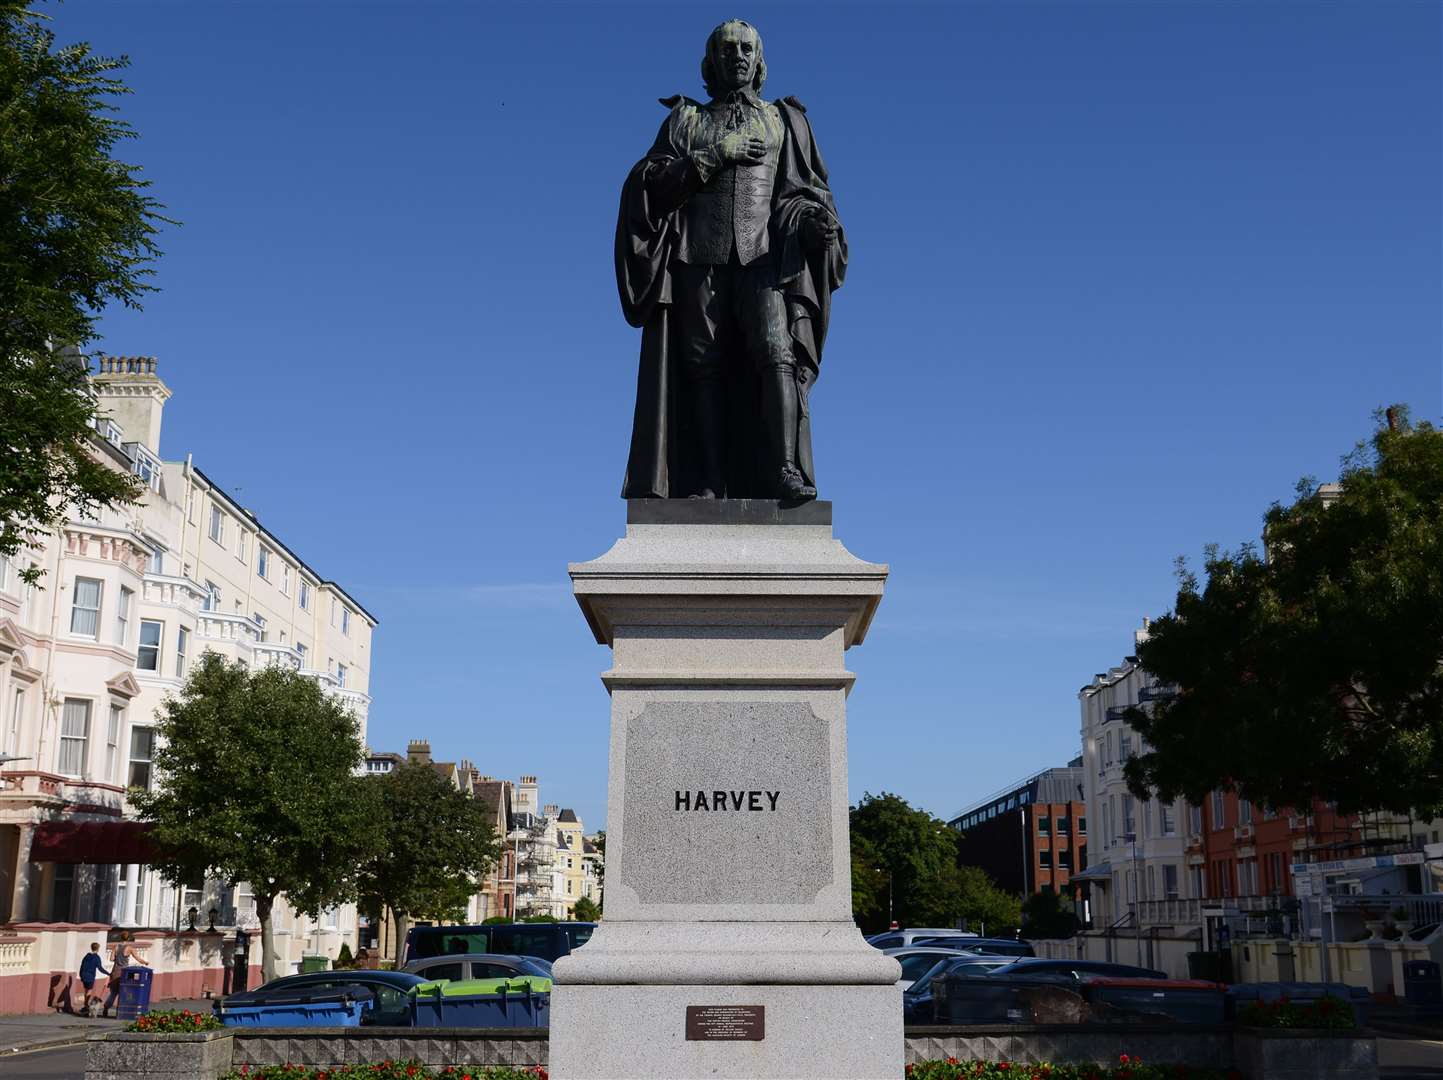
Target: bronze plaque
739,1022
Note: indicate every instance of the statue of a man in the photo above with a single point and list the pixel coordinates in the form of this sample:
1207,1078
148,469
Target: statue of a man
728,249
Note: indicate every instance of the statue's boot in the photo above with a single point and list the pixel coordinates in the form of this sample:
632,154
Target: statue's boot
782,410
710,404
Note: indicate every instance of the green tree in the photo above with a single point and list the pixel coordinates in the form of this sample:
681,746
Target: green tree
913,856
1049,915
585,910
438,843
1313,670
256,781
76,233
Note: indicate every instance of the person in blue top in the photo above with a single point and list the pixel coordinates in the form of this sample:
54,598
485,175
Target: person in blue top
89,968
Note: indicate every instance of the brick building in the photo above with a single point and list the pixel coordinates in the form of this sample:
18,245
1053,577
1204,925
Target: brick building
1031,836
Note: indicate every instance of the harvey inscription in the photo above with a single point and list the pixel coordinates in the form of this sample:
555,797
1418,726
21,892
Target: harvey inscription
727,802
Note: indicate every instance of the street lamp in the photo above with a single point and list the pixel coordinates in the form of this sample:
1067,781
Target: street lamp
1131,838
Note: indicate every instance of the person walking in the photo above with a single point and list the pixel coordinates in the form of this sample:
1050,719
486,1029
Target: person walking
124,957
89,968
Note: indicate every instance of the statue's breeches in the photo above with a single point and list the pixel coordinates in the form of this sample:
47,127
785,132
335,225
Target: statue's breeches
730,314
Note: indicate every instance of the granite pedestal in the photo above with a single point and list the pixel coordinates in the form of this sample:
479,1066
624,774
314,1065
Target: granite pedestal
728,947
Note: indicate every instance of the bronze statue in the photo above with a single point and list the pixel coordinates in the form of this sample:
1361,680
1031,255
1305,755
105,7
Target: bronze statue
728,249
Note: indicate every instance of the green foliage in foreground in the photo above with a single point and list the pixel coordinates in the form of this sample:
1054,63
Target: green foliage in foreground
172,1021
1313,672
388,1070
1127,1068
76,233
585,910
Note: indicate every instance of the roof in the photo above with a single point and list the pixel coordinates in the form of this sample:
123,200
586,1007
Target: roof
238,508
569,816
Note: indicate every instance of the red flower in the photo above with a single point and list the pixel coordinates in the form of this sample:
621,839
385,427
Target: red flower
1124,1059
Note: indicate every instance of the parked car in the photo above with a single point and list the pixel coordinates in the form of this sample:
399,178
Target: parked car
902,939
479,966
390,1006
1074,970
916,962
546,941
917,1003
1173,1001
989,945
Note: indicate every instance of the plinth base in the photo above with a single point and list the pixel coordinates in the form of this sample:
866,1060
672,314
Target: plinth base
808,1033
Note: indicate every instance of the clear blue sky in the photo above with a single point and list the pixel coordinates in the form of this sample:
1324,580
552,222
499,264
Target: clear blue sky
1121,274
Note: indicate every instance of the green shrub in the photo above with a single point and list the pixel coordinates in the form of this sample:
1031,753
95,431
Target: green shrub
1326,1012
344,959
170,1021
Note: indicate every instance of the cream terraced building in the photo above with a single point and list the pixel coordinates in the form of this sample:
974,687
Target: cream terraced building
129,600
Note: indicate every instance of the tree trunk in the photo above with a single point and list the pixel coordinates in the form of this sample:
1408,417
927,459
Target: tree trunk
403,922
270,960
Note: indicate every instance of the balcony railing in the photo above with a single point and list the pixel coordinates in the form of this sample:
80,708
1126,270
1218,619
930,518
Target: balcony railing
1156,693
1115,713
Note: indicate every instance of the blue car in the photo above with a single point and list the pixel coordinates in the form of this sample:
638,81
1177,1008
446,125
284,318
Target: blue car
390,1003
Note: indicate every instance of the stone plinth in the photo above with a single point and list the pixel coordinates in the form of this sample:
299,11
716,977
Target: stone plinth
728,872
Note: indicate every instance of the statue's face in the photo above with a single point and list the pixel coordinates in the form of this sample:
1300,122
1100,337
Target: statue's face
735,50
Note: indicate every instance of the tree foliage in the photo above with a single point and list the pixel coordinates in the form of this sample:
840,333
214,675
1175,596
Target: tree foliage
256,781
1049,915
585,910
907,851
438,843
77,232
1315,670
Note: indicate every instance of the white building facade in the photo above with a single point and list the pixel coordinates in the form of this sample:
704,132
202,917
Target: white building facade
128,601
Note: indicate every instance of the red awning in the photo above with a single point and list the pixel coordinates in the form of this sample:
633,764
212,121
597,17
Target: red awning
97,842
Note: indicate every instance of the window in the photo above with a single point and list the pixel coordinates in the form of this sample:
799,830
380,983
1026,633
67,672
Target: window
263,561
156,565
260,621
147,656
1166,819
112,742
1151,883
1064,860
346,621
305,596
1247,877
122,614
211,600
1197,883
1044,826
1106,825
1082,826
285,579
301,651
182,640
147,468
240,544
190,505
1194,819
1124,747
1245,812
341,675
74,737
142,749
1220,808
1129,824
4,570
334,605
85,610
217,525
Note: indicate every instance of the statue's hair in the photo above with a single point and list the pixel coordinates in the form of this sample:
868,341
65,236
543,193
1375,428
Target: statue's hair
714,86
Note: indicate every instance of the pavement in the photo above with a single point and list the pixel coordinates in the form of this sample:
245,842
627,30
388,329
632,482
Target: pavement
44,1031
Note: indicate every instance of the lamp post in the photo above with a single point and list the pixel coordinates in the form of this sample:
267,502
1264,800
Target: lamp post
1131,838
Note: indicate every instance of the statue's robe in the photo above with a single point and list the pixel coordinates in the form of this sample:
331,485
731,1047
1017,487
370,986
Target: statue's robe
663,462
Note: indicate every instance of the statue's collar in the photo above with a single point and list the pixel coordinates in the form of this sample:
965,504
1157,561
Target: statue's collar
744,95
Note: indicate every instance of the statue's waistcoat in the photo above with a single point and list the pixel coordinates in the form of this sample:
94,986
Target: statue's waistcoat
733,210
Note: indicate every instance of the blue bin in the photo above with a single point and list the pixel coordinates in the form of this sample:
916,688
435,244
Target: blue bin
505,1008
1173,1001
324,1009
134,999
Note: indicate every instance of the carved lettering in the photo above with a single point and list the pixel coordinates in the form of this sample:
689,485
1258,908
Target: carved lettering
731,799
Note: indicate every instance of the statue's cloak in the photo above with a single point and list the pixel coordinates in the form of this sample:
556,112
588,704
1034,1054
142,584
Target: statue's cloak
664,461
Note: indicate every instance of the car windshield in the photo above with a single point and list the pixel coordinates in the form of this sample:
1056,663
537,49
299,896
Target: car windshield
534,965
918,964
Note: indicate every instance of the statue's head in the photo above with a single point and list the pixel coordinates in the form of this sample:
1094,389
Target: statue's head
733,59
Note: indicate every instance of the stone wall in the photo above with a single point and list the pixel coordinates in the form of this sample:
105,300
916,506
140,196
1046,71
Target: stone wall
1260,1055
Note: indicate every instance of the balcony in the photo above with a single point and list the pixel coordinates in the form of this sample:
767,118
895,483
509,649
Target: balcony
269,654
1156,693
1115,714
1171,912
222,626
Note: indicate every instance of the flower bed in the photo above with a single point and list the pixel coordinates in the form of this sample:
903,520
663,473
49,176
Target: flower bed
386,1070
175,1021
1127,1068
1326,1012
